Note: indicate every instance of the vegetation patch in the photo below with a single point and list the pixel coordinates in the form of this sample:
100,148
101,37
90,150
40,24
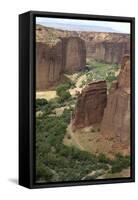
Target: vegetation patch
58,162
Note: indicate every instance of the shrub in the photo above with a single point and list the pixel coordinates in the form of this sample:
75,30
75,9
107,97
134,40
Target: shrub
40,104
62,88
110,76
66,116
92,130
69,136
103,159
115,66
120,163
54,103
116,167
43,172
63,93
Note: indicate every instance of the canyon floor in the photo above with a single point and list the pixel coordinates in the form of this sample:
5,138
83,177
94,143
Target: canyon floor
88,139
91,140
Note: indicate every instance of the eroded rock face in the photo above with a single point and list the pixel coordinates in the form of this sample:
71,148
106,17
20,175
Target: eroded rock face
107,47
104,46
111,52
53,60
74,52
116,119
124,76
90,106
48,65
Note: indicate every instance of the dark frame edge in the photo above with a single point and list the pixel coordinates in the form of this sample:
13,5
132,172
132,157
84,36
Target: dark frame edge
133,98
82,16
24,98
30,62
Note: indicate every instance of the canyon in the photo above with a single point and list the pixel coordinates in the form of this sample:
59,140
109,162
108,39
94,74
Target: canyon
109,111
60,51
83,102
107,47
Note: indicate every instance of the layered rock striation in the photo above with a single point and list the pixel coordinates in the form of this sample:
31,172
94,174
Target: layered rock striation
90,105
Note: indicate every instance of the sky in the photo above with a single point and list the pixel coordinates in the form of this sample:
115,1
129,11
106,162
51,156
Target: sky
89,25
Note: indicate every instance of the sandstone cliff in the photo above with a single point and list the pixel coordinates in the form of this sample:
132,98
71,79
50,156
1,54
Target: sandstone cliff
116,119
48,65
67,55
74,54
107,47
59,52
90,105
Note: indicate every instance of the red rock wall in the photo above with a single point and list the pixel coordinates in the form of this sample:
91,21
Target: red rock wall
66,56
111,52
48,65
116,119
90,106
107,47
74,54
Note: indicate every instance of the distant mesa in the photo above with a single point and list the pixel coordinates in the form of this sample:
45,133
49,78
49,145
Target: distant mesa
105,46
59,51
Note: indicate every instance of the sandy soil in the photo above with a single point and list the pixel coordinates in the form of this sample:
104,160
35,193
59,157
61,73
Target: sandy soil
91,140
50,94
46,94
124,173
